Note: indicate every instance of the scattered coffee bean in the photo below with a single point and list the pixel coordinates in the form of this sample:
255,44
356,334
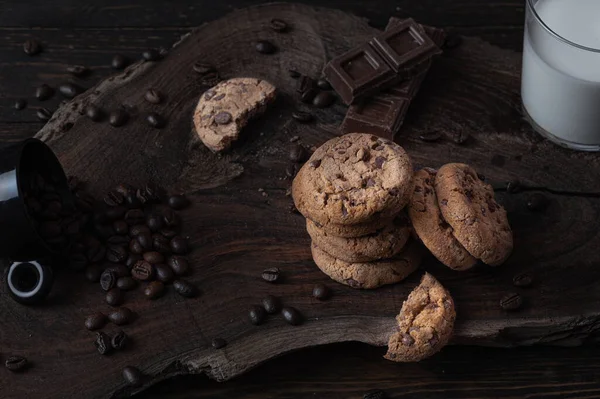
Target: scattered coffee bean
302,117
321,292
118,117
119,61
513,186
185,288
537,202
20,104
116,254
323,84
142,271
78,70
155,120
257,315
292,316
108,279
430,137
121,316
119,341
115,297
294,74
94,113
202,68
375,394
219,343
95,321
164,273
308,96
523,280
126,283
132,376
93,273
151,55
70,90
278,25
102,343
154,290
179,245
154,257
44,92
324,99
271,304
265,47
16,363
179,265
178,202
298,153
512,301
32,47
271,274
44,114
135,216
153,96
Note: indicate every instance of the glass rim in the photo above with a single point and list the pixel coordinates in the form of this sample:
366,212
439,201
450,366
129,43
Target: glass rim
530,6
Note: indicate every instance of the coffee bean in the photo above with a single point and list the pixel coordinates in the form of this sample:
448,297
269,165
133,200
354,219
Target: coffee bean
179,265
271,304
70,90
20,104
32,47
210,79
430,137
154,290
323,100
265,47
169,232
185,288
119,341
154,257
118,117
119,270
323,84
302,117
271,274
202,68
155,222
523,280
375,394
223,118
257,315
321,292
132,258
298,153
294,74
115,297
135,247
135,216
78,70
151,55
161,243
178,202
145,241
16,363
44,114
95,321
292,169
121,227
308,96
102,343
139,229
292,316
164,273
219,343
108,279
511,301
153,96
121,316
179,245
278,25
142,271
170,217
93,273
119,61
44,92
115,212
155,120
116,254
537,202
126,283
132,376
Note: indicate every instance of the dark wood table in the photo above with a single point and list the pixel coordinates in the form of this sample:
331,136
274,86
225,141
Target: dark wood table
89,34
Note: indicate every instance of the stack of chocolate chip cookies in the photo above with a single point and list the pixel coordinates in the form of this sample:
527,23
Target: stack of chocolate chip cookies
353,191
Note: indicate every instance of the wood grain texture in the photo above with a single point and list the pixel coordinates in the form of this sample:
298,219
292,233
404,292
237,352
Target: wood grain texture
237,232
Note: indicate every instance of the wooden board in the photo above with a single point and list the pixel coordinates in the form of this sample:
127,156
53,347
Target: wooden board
236,232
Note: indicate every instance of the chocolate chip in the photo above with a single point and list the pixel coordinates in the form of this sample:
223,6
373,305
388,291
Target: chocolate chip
379,161
315,163
70,90
155,120
132,376
407,340
118,117
94,113
223,118
151,55
78,70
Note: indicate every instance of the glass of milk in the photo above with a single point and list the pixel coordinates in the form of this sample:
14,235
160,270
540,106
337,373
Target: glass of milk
560,84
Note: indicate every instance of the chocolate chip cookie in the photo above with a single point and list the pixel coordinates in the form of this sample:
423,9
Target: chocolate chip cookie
225,109
425,323
430,226
469,207
352,179
383,244
368,275
352,230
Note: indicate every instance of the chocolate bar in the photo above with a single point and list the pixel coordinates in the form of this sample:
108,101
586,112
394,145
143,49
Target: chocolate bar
394,55
384,113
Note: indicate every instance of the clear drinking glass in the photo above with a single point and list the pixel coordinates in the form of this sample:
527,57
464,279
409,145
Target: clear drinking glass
560,84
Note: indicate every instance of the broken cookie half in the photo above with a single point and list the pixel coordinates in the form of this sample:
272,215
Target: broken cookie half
425,323
225,109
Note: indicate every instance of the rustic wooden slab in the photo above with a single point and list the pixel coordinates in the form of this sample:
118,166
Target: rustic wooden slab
236,232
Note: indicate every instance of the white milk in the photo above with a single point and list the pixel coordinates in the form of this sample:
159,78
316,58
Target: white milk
560,82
